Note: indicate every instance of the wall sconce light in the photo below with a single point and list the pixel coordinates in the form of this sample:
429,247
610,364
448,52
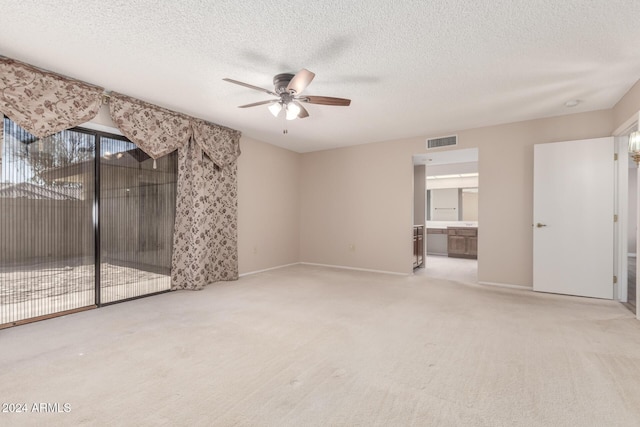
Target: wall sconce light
634,146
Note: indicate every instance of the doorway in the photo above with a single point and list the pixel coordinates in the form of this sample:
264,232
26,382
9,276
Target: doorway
628,298
627,209
449,212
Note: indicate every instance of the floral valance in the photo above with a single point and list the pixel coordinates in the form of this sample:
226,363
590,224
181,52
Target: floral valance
221,144
158,131
42,102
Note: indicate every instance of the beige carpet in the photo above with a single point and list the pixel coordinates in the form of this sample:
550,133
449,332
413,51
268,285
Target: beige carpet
311,346
442,267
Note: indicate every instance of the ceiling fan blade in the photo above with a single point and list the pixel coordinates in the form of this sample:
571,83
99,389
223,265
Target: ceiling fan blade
250,86
303,111
255,104
300,81
327,100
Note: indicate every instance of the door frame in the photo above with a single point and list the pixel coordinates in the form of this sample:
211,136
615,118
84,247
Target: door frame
621,208
621,198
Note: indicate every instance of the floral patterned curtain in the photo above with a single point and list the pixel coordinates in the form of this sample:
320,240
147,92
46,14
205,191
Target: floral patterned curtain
157,131
205,233
44,103
205,248
1,140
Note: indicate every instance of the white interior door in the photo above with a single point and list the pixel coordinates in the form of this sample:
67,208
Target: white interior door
573,207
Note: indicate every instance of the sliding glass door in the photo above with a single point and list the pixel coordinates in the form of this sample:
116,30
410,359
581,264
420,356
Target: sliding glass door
65,234
46,223
137,212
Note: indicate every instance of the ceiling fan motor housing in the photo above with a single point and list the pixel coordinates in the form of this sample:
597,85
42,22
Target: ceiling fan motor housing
281,81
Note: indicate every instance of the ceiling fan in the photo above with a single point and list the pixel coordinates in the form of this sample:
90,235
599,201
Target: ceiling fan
287,89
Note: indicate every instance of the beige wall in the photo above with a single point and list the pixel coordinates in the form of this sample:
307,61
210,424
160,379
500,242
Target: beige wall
268,206
360,196
363,196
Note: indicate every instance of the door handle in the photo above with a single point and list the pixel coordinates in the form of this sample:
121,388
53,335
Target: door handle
540,225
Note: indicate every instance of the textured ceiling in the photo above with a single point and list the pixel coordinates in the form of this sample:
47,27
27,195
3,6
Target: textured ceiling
413,68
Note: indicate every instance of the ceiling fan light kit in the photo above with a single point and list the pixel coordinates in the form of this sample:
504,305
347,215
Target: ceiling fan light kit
287,89
293,110
275,108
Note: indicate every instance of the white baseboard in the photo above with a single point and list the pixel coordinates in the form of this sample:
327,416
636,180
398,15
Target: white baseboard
507,285
355,268
267,269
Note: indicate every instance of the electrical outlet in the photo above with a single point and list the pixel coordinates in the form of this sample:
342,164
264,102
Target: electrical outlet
255,250
352,247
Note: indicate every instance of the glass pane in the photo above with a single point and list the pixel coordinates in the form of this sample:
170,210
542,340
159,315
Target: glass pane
137,212
46,223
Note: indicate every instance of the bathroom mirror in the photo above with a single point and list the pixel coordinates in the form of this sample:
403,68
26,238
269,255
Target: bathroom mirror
452,204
